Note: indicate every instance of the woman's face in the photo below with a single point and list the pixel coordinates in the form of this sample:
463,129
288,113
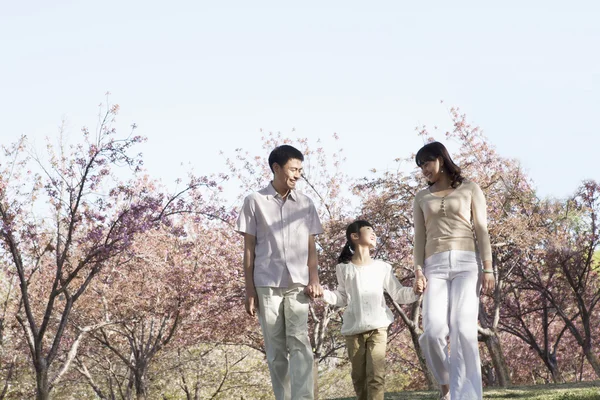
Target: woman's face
432,170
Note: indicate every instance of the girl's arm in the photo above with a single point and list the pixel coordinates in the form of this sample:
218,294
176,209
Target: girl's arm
337,297
401,294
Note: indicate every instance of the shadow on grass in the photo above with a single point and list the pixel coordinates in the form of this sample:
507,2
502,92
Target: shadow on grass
568,391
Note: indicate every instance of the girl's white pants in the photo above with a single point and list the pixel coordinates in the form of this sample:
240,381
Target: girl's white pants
450,308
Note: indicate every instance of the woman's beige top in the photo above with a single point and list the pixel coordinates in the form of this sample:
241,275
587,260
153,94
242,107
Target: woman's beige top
443,223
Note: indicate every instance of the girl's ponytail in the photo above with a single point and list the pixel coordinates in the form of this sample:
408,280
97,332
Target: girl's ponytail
346,254
348,250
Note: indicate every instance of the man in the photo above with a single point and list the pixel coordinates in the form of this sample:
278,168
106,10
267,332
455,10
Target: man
279,225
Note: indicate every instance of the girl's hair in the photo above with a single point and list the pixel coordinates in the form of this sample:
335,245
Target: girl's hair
430,152
348,250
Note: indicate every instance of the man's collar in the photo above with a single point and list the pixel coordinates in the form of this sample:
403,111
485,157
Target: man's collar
271,192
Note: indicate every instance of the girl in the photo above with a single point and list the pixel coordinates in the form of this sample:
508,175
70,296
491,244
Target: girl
448,249
361,282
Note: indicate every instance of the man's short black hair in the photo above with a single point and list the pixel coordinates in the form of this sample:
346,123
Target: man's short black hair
282,154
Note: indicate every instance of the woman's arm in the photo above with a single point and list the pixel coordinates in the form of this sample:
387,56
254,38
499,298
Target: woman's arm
479,212
419,246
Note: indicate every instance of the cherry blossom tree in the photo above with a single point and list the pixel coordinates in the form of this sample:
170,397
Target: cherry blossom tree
566,277
62,225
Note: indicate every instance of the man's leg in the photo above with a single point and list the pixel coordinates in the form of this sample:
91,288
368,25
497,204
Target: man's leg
271,317
298,344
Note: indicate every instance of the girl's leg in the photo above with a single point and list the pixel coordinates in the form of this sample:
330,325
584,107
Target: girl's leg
465,365
376,346
358,359
433,341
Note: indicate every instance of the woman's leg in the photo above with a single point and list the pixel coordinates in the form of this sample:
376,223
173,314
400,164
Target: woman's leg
465,365
433,341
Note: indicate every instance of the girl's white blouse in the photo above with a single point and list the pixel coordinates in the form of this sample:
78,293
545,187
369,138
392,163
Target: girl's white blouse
360,290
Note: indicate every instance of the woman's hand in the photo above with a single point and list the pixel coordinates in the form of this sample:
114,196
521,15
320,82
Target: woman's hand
489,283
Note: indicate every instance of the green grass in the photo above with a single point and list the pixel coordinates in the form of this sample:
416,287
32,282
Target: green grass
567,391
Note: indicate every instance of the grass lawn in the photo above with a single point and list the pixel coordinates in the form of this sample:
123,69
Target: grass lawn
567,391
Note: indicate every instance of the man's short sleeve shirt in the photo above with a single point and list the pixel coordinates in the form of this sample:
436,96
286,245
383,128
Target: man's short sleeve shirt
282,229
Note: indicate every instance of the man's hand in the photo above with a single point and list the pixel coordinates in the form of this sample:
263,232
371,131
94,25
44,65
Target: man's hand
251,302
420,282
489,283
314,290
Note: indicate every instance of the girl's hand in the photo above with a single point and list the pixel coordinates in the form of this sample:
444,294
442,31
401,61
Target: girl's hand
489,283
420,282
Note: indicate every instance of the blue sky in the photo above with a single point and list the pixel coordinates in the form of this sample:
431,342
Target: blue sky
199,77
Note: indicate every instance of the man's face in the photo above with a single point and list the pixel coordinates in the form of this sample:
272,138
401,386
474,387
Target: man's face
288,175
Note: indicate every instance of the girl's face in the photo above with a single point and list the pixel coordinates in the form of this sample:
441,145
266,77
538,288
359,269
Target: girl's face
432,170
367,237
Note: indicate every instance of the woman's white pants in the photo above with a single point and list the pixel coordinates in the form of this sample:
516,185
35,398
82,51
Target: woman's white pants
450,308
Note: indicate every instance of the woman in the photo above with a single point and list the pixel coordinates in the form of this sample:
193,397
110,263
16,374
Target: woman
451,244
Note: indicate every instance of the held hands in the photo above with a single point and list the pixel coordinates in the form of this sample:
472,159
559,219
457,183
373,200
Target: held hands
314,290
420,282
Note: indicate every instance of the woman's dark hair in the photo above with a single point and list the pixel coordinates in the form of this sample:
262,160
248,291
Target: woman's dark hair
430,152
282,154
348,250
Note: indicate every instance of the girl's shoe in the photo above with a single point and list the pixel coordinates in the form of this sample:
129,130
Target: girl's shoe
445,397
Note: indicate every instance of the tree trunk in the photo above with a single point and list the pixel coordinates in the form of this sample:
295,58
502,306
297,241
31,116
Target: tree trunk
551,363
413,326
494,347
41,376
316,377
592,359
432,384
556,374
140,385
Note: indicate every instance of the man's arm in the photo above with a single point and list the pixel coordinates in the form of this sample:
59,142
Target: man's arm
314,288
249,251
